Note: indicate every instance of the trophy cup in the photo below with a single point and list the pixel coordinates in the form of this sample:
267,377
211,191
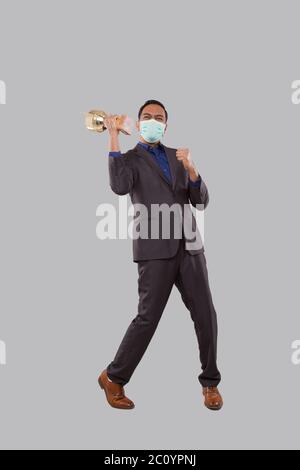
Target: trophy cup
94,121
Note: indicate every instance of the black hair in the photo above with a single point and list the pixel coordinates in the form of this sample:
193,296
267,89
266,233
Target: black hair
152,102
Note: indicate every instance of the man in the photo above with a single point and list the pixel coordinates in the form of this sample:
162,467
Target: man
155,174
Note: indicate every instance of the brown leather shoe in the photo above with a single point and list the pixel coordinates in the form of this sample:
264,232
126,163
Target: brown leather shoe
114,393
213,399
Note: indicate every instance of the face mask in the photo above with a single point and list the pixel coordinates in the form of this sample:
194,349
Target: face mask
152,130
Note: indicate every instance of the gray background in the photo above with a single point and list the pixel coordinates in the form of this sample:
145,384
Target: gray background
224,71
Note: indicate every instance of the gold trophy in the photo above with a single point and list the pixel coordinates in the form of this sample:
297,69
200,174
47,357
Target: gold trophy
94,121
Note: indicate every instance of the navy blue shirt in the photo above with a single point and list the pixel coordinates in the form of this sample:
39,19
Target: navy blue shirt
161,159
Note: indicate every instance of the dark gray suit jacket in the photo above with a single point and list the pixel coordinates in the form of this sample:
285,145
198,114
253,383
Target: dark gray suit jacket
138,174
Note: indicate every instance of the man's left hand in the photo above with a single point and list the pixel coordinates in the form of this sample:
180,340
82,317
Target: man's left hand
184,155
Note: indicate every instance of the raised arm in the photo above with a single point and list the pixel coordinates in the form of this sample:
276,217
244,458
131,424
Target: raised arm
198,192
121,174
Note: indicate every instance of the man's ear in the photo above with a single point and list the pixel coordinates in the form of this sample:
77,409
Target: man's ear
137,125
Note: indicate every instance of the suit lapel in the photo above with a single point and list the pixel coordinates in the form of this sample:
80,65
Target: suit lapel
142,152
172,164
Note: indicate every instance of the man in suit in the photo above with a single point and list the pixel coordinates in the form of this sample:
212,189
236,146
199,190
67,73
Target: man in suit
155,175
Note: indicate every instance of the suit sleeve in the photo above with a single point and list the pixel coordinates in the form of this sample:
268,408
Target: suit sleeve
121,174
198,194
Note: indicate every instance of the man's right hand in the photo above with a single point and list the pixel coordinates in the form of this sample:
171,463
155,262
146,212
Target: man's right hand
111,124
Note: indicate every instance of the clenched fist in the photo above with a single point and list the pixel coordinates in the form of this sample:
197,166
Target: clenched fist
184,156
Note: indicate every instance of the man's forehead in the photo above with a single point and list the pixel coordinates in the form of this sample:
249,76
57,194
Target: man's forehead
153,109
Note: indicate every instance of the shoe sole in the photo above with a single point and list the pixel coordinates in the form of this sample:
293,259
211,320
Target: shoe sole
113,406
214,409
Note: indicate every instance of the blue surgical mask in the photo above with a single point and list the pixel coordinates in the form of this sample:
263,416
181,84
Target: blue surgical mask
152,130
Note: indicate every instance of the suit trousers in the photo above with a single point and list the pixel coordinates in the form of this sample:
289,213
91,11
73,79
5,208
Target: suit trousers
156,280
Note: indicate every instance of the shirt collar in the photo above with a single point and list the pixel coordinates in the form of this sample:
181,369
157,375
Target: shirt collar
150,147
